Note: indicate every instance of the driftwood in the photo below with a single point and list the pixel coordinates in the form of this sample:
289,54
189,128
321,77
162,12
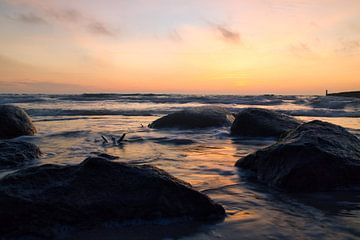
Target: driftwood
105,139
121,138
113,139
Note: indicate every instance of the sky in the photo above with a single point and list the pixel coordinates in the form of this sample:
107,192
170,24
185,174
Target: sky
180,46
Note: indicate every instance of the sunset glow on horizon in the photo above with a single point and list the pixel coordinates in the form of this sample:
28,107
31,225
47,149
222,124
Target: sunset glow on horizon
180,46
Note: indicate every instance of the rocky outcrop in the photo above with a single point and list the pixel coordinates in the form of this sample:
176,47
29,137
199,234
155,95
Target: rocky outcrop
316,156
96,191
200,117
17,153
258,122
14,122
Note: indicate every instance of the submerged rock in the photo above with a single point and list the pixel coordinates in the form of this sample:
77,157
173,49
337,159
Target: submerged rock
258,122
316,156
96,191
200,117
17,153
14,122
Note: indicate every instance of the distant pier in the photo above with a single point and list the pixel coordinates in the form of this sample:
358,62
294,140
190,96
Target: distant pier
354,94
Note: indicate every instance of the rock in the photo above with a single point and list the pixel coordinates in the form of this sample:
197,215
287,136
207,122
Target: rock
258,122
316,156
17,153
14,122
95,192
200,117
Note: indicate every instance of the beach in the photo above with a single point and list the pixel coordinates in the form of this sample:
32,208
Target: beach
71,127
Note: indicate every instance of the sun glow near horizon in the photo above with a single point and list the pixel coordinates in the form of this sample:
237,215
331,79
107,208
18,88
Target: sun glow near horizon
248,47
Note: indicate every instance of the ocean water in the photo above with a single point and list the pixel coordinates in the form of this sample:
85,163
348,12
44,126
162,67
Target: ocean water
70,129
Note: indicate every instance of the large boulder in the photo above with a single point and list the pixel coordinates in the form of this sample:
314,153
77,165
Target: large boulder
17,153
199,117
97,191
316,156
258,122
14,122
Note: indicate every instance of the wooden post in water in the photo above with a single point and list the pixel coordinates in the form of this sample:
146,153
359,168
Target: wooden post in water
326,93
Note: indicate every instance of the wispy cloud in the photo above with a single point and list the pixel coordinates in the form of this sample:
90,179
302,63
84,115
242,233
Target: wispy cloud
351,47
228,34
175,36
44,12
30,18
300,49
65,15
100,29
30,86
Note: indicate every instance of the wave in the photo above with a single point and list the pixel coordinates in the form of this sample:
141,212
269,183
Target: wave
173,141
177,98
150,98
67,113
327,102
331,102
69,133
89,112
59,119
321,113
22,98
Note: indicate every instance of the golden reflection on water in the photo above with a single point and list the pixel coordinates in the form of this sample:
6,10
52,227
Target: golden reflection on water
208,164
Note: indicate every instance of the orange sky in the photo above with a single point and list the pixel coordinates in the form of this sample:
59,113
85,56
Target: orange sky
204,46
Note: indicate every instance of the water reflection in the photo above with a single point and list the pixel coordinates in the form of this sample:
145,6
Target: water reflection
206,159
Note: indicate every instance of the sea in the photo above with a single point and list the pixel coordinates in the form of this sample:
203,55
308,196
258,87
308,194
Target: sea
71,127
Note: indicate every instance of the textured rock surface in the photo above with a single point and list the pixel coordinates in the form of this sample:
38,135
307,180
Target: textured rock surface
17,153
36,199
316,156
201,117
258,122
14,122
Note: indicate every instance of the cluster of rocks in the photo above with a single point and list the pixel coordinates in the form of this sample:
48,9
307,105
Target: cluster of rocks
14,122
37,199
313,156
250,122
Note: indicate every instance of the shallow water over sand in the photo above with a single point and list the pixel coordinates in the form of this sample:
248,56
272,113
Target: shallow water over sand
70,129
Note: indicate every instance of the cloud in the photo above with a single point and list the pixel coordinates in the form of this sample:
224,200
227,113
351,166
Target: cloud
175,36
30,18
66,15
45,12
99,29
27,86
300,48
9,64
351,47
73,16
228,34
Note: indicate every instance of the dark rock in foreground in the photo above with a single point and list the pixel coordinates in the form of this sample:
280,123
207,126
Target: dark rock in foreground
34,200
17,153
200,117
258,122
316,156
14,122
